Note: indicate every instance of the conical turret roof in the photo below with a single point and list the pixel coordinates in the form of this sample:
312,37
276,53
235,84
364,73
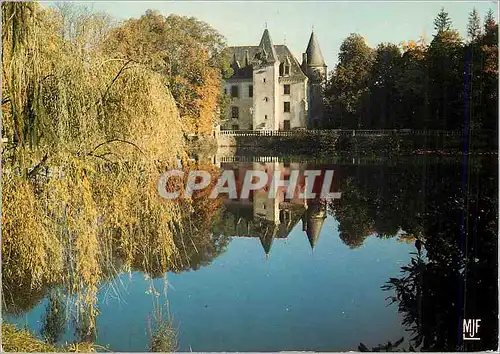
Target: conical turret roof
314,55
315,217
314,229
266,44
266,243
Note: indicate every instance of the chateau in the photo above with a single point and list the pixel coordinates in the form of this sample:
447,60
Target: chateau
270,90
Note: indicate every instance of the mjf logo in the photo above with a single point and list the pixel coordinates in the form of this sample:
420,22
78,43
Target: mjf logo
470,329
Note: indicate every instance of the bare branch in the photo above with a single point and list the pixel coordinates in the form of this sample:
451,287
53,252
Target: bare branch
124,67
112,141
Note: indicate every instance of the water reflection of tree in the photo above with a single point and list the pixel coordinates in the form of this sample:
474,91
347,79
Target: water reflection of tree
354,216
54,319
21,297
454,211
459,278
381,200
193,245
85,330
196,242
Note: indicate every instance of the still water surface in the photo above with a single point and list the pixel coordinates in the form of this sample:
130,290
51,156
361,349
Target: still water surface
314,280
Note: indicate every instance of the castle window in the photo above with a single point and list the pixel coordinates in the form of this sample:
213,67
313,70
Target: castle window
286,106
286,124
225,91
264,79
286,89
250,91
266,99
287,70
235,112
265,117
234,91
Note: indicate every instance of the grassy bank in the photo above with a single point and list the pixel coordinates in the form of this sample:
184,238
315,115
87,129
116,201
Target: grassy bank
20,340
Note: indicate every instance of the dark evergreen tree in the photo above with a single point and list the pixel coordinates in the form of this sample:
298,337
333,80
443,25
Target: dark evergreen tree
474,26
489,20
442,22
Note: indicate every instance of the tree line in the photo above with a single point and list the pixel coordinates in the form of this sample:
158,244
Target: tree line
450,83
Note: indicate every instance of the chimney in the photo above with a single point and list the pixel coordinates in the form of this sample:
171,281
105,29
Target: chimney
247,58
304,61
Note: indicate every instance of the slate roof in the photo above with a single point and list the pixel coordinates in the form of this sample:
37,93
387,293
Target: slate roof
312,222
240,54
266,44
295,68
244,55
313,51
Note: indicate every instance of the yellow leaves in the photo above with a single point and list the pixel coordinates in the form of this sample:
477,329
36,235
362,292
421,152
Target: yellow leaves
109,129
208,101
176,47
411,44
415,48
30,250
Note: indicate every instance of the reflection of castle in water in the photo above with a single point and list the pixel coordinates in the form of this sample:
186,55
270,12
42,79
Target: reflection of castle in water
274,218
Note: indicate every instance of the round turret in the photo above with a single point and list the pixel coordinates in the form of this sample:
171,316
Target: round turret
316,68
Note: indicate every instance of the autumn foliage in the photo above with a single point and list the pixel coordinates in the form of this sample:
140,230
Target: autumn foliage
187,52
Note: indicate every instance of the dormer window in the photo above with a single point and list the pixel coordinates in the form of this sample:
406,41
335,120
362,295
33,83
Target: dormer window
284,69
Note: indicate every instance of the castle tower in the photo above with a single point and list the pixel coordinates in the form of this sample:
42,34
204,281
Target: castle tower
266,85
315,68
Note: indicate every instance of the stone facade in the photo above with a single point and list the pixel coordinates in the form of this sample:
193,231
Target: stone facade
270,90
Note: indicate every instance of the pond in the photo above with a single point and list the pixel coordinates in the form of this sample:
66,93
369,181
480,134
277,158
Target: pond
392,257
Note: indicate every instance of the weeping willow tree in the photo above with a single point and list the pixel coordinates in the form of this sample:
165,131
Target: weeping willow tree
88,136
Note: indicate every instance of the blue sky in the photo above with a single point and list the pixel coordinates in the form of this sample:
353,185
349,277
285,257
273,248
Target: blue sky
242,23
